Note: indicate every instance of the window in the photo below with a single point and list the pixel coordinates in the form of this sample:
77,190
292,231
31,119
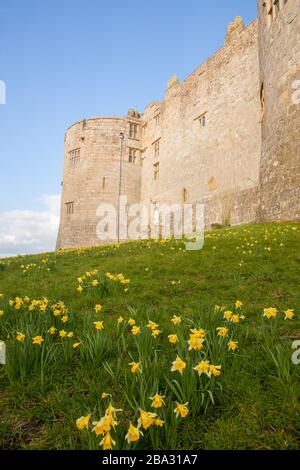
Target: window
132,155
103,182
74,157
156,171
184,195
145,128
70,207
156,148
157,119
133,131
273,9
202,120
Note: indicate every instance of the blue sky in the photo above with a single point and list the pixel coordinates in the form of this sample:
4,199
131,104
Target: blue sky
63,60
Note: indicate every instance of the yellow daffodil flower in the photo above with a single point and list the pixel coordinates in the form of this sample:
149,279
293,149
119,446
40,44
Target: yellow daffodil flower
173,339
136,330
52,330
107,442
223,332
83,422
131,322
176,320
178,365
135,367
157,401
238,304
232,346
76,345
270,312
38,340
133,434
99,325
146,419
289,314
195,343
181,410
228,315
215,370
120,320
203,368
98,308
159,422
20,337
63,334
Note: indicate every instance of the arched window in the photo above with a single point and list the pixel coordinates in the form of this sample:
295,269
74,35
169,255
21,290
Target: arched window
262,99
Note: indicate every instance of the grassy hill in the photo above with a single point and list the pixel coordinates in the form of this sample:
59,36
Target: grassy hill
251,402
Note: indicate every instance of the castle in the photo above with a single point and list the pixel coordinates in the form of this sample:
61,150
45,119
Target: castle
227,137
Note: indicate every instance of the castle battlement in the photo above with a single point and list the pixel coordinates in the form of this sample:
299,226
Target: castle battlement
227,137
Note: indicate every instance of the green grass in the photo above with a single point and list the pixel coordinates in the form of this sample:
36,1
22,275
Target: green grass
256,405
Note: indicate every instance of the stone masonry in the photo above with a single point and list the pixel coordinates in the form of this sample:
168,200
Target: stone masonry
227,137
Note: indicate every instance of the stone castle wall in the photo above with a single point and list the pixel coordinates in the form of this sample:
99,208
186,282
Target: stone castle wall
227,137
279,70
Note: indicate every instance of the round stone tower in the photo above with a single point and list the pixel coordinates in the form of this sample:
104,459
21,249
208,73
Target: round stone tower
279,39
91,175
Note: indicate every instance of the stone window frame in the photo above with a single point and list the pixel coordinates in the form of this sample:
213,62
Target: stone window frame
156,171
144,127
133,130
273,9
70,207
132,155
157,119
74,156
156,147
202,119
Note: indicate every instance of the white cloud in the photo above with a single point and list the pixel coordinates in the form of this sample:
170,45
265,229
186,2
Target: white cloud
23,232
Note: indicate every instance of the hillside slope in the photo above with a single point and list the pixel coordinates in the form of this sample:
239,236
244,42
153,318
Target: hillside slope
65,358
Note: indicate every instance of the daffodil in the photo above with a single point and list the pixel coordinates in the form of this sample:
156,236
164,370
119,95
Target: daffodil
238,304
228,315
38,340
203,368
178,365
270,312
70,334
232,345
98,308
20,337
173,339
136,330
63,334
107,442
146,419
155,333
235,318
181,410
76,345
102,426
215,370
1,313
83,422
289,314
152,325
176,320
95,283
133,434
120,320
104,395
99,325
79,289
159,422
131,321
65,319
198,333
52,330
195,343
157,401
222,331
135,367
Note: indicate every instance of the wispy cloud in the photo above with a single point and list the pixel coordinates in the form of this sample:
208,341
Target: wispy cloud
23,232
